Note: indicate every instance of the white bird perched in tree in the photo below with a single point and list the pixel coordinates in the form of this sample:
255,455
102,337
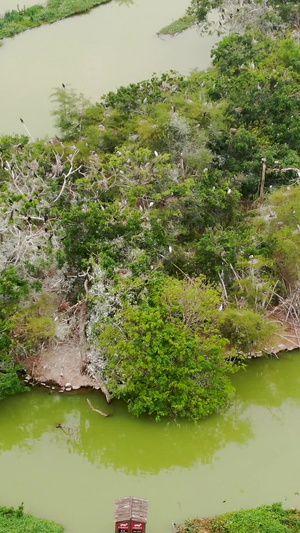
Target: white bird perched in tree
170,249
151,204
229,191
155,153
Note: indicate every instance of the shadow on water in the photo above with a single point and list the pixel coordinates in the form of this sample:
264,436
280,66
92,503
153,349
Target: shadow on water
119,441
137,446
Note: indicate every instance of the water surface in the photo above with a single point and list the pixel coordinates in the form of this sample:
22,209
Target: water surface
115,44
245,457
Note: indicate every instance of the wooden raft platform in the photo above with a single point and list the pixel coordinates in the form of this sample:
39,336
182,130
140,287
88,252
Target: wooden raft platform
131,508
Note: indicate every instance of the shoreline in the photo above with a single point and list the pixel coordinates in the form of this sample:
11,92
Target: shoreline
60,367
18,21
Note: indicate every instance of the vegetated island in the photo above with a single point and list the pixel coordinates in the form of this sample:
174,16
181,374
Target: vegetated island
156,241
267,518
19,20
16,521
223,16
179,25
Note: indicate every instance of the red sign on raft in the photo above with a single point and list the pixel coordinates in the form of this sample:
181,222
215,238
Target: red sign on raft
123,526
137,526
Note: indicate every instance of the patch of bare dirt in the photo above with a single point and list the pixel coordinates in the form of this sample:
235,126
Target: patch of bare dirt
62,360
62,364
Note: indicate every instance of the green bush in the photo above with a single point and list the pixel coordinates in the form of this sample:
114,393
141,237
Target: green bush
264,519
16,521
245,328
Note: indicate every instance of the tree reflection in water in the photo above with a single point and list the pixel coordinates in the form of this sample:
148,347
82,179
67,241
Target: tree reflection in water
143,446
134,446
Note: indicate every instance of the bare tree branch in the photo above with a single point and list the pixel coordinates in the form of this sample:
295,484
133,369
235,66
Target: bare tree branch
96,410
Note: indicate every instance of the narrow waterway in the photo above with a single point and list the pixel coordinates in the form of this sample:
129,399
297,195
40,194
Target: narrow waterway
245,457
115,44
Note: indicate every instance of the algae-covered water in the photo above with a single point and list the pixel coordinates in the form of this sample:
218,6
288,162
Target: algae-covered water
245,457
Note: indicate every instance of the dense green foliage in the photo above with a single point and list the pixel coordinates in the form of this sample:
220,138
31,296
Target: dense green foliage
12,288
16,521
16,21
267,519
168,340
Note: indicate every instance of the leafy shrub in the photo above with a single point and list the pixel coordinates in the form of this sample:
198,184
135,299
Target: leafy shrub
16,521
245,328
265,519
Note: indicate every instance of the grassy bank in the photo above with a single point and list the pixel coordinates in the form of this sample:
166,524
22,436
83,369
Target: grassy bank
16,21
179,25
16,521
267,518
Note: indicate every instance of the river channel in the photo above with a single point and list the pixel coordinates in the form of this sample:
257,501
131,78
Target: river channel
115,44
245,457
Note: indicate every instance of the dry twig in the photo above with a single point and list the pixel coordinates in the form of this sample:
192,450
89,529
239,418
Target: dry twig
96,410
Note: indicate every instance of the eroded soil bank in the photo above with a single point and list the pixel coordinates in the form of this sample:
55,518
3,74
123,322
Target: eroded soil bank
64,362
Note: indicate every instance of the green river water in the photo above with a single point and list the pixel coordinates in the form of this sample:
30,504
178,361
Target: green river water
245,457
